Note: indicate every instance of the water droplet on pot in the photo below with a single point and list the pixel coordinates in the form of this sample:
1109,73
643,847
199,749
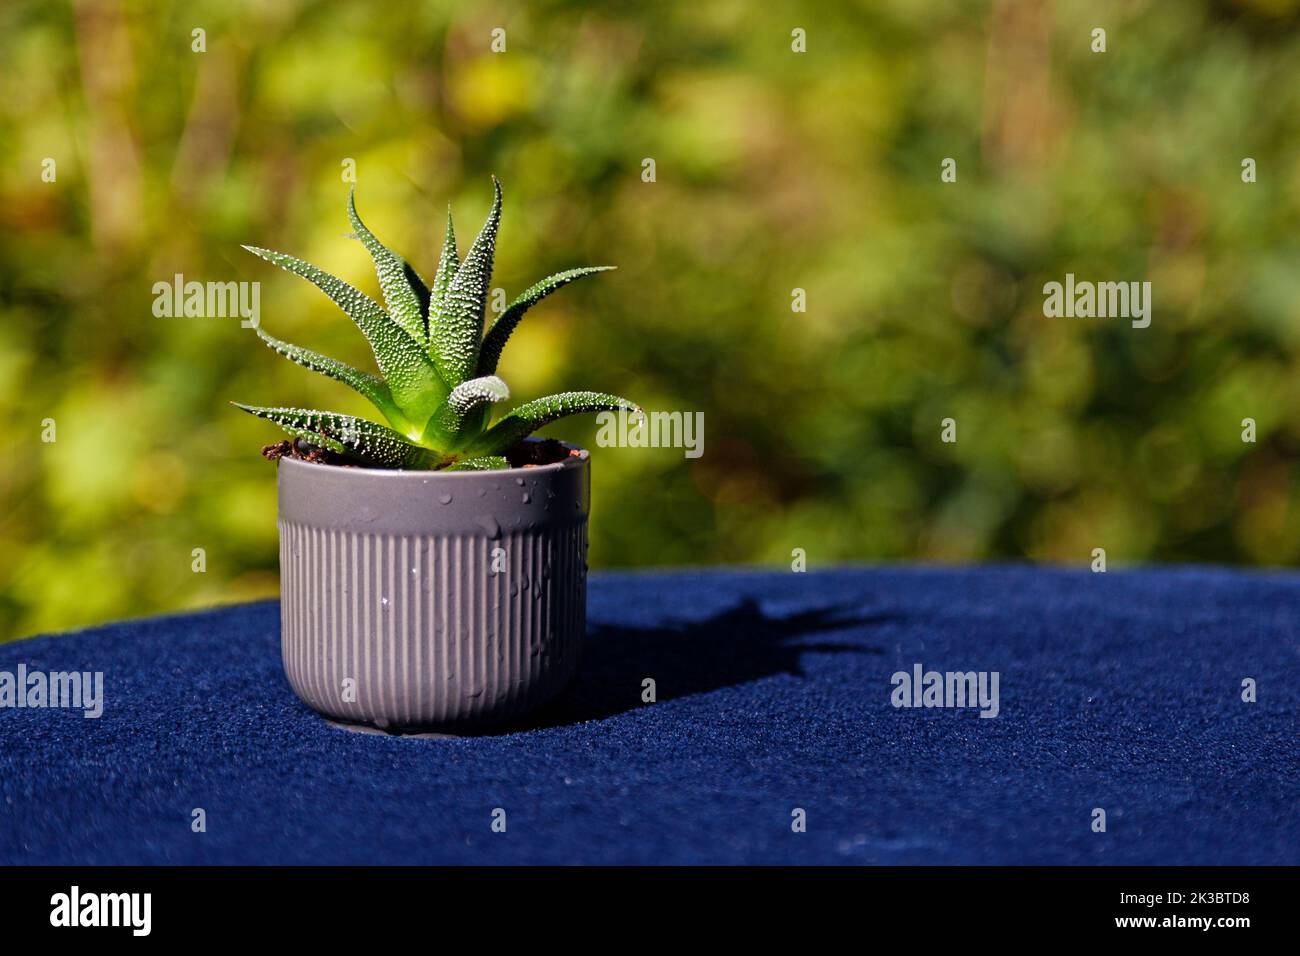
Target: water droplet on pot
527,498
519,482
445,499
489,526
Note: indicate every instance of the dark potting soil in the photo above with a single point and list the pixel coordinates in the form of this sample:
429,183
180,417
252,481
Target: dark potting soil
530,454
527,454
303,451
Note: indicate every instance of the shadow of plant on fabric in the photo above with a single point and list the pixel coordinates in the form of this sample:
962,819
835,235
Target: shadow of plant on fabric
733,647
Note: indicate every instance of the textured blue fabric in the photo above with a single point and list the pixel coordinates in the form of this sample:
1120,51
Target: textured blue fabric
1120,691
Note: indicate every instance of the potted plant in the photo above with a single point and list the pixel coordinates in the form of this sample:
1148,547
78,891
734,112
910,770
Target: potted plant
433,569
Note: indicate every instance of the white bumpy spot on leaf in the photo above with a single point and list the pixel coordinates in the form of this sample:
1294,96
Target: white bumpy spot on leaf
476,391
455,417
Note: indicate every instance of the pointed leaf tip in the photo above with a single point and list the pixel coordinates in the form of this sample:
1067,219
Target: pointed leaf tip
405,293
371,387
455,338
495,340
448,264
527,418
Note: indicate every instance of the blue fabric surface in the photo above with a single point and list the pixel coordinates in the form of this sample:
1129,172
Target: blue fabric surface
1117,690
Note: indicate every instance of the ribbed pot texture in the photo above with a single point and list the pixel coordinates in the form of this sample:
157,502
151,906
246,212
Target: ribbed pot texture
450,601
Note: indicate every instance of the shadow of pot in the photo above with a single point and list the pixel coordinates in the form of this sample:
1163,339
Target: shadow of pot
432,601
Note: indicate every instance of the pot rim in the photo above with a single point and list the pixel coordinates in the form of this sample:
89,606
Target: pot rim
397,474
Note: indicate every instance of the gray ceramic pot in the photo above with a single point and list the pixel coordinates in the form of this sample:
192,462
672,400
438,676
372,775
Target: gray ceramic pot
445,601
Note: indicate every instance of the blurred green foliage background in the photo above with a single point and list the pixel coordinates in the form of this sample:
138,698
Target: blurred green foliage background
775,170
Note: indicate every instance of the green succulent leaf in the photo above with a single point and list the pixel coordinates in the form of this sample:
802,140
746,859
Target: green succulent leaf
405,293
362,440
448,263
455,337
370,387
496,337
412,379
527,418
437,383
485,463
467,398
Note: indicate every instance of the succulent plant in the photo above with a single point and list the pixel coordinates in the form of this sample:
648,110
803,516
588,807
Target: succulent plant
437,381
